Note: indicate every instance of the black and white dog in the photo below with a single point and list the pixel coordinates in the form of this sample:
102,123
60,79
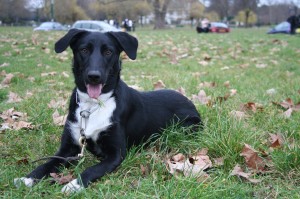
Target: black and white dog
118,116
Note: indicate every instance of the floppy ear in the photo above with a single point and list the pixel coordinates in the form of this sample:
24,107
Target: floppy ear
128,43
65,41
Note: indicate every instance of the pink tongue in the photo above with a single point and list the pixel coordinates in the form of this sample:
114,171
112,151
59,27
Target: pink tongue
94,91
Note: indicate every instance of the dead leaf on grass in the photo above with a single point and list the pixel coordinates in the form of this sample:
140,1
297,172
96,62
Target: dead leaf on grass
191,167
58,119
238,171
159,85
252,158
7,79
239,115
61,178
49,74
13,98
276,140
202,98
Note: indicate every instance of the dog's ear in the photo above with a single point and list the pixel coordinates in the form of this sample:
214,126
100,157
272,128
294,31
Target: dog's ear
128,43
65,41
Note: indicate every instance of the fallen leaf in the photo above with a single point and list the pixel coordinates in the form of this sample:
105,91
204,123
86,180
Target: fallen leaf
207,85
227,84
48,74
58,119
238,171
23,161
61,178
194,166
202,98
7,79
218,161
276,140
159,85
181,90
251,106
4,64
252,159
238,115
13,98
271,91
288,113
22,125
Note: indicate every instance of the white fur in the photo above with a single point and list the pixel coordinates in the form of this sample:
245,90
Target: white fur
28,182
100,117
72,187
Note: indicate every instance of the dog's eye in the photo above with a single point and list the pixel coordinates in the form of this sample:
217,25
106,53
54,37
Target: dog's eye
107,52
84,51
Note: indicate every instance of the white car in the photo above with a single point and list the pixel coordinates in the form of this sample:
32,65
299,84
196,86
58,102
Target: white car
94,26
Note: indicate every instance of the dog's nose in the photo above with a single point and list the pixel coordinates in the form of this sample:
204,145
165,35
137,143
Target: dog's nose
94,77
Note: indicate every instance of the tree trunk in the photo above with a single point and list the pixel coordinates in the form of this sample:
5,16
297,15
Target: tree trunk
160,12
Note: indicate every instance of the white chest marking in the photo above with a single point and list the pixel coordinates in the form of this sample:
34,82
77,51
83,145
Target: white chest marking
99,119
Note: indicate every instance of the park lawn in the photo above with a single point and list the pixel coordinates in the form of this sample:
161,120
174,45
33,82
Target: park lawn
245,75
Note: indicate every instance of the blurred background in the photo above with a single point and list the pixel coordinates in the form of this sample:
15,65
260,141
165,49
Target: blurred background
153,13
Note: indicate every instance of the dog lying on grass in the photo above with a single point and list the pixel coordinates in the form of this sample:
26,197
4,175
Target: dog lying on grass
105,115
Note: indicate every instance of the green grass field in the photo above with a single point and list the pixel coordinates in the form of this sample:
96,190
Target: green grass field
246,60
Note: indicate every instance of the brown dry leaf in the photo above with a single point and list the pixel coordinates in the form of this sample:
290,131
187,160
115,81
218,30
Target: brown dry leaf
251,106
203,151
22,161
252,159
233,92
22,125
238,171
61,178
49,74
207,85
206,57
218,161
65,74
59,120
4,64
276,140
7,79
238,115
159,85
178,158
193,166
288,113
59,103
13,98
202,98
181,90
144,170
227,84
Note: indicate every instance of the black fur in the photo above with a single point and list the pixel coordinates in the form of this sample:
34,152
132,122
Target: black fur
137,116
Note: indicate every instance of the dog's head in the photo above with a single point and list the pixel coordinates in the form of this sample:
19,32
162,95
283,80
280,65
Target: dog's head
96,58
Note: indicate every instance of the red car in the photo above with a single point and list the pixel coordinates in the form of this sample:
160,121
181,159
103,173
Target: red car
219,27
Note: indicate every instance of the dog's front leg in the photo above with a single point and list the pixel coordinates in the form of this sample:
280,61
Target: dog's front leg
67,149
114,148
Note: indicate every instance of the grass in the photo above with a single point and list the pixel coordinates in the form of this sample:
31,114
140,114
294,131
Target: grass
251,60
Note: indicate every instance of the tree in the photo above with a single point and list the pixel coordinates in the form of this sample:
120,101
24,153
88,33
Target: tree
142,9
248,7
246,16
11,11
160,11
222,7
196,11
73,13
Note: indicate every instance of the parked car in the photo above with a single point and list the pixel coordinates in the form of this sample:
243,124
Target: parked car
93,25
219,27
283,27
47,26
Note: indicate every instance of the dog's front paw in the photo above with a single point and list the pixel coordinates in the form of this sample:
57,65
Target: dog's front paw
28,182
72,187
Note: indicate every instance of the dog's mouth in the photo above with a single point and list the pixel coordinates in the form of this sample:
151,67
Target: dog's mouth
94,91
